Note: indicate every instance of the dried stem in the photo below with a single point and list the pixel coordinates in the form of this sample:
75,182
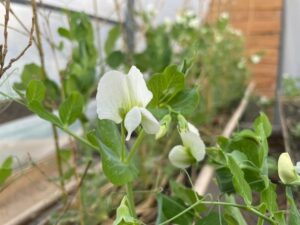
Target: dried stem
12,60
38,37
67,206
4,46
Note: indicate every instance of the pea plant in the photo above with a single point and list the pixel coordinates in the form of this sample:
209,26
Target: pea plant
134,111
127,107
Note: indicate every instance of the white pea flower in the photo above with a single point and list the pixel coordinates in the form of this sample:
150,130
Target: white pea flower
192,150
189,13
168,23
194,23
122,97
286,170
180,19
224,15
235,31
255,59
297,167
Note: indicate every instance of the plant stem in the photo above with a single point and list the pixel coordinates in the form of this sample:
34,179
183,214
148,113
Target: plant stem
79,138
192,185
59,162
245,207
130,196
135,146
123,150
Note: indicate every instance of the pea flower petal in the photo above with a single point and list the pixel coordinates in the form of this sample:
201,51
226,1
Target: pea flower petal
149,123
138,90
180,158
193,149
195,144
112,94
132,121
125,97
137,116
286,170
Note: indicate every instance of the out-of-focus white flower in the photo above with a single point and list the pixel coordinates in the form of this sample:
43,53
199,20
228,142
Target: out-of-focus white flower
194,23
189,13
242,63
235,31
123,97
179,19
192,150
255,59
286,170
168,23
264,100
218,38
224,15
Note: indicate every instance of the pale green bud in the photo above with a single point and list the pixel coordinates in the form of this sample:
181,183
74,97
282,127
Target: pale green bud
180,157
286,169
123,214
182,123
164,126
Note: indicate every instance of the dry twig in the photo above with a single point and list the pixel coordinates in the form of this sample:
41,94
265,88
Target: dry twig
4,46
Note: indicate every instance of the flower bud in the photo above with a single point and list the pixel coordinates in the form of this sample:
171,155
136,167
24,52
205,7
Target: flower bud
182,123
286,169
193,148
180,157
164,126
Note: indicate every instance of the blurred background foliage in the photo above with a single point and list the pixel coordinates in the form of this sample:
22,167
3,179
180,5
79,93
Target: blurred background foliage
213,56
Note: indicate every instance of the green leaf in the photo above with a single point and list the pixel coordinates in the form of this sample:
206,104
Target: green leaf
233,215
294,216
71,108
185,102
52,90
212,218
40,110
108,133
249,145
169,207
224,178
63,32
116,171
115,59
267,127
166,85
187,195
36,90
65,155
240,184
124,216
30,72
112,37
269,197
6,169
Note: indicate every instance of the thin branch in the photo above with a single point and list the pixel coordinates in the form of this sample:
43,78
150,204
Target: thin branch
67,206
3,48
38,37
4,69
